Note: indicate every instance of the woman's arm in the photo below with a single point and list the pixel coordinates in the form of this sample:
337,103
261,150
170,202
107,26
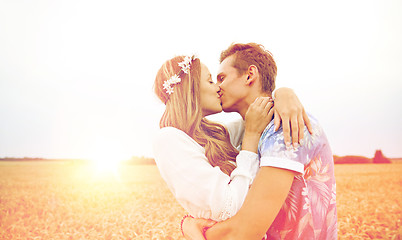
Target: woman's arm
257,117
291,113
202,190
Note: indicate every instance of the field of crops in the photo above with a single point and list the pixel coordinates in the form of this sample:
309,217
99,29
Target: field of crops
63,200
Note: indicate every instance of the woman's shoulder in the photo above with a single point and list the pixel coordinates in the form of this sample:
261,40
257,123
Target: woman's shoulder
171,132
172,135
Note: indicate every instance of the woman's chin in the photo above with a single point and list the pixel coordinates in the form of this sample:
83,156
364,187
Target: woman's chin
219,109
212,112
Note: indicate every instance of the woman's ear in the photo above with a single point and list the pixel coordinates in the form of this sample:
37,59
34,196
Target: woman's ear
252,74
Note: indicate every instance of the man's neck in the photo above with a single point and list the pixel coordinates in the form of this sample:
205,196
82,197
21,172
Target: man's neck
248,101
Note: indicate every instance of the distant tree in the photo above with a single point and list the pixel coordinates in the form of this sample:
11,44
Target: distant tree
351,159
336,158
380,158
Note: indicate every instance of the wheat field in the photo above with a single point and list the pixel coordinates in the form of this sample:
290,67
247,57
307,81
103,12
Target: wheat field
65,200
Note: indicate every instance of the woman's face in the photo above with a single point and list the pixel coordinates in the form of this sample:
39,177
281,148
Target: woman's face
210,100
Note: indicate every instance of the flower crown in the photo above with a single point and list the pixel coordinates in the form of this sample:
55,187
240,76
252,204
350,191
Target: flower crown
175,79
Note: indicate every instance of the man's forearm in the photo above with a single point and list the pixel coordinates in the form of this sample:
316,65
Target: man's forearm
262,204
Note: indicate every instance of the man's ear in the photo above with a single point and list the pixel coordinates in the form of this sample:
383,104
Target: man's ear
252,74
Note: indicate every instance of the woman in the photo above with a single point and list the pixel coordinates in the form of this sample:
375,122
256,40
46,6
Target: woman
196,157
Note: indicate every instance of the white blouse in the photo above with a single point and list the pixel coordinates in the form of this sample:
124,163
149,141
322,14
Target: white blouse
202,190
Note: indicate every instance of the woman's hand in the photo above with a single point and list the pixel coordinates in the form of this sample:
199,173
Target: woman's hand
194,228
290,111
257,117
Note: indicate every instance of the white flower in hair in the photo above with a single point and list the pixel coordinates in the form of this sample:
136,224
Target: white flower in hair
185,65
175,79
169,90
167,85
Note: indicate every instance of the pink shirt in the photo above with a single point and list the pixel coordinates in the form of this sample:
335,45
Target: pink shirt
309,212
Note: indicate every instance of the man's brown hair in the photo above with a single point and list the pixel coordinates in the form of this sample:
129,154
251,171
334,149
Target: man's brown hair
253,54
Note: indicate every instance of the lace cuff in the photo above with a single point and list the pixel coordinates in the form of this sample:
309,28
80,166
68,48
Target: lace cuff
226,213
247,167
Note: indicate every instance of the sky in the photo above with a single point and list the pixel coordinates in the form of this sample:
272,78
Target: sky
76,77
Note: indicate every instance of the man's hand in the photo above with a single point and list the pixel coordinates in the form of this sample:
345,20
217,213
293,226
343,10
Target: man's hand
194,228
290,111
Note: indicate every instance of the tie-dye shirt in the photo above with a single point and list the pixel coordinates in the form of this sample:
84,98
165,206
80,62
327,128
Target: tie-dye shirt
309,212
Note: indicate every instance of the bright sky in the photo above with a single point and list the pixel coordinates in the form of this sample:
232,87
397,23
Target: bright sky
76,76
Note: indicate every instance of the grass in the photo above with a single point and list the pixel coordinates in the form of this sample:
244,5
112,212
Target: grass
369,201
62,200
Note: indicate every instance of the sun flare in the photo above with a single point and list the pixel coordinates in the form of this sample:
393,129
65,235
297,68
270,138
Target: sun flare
106,165
106,157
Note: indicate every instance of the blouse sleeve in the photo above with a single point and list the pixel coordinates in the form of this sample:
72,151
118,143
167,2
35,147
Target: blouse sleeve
204,191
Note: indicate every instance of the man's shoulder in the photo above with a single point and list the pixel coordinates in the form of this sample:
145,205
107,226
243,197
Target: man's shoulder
273,151
272,137
270,132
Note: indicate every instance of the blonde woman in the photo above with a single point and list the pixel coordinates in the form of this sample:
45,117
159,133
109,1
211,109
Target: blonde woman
198,158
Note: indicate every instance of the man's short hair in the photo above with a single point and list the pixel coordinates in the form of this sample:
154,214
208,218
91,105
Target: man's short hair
253,54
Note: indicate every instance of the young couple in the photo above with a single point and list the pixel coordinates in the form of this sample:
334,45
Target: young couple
270,189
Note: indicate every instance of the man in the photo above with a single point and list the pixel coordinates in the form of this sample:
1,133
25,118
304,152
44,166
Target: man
293,194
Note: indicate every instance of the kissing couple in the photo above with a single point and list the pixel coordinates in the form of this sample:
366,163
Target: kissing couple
265,176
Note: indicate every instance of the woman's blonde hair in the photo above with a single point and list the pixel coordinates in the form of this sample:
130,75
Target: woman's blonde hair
183,111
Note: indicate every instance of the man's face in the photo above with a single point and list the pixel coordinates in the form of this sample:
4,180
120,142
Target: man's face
232,85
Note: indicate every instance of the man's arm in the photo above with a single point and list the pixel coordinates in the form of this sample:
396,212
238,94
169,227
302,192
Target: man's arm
262,204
